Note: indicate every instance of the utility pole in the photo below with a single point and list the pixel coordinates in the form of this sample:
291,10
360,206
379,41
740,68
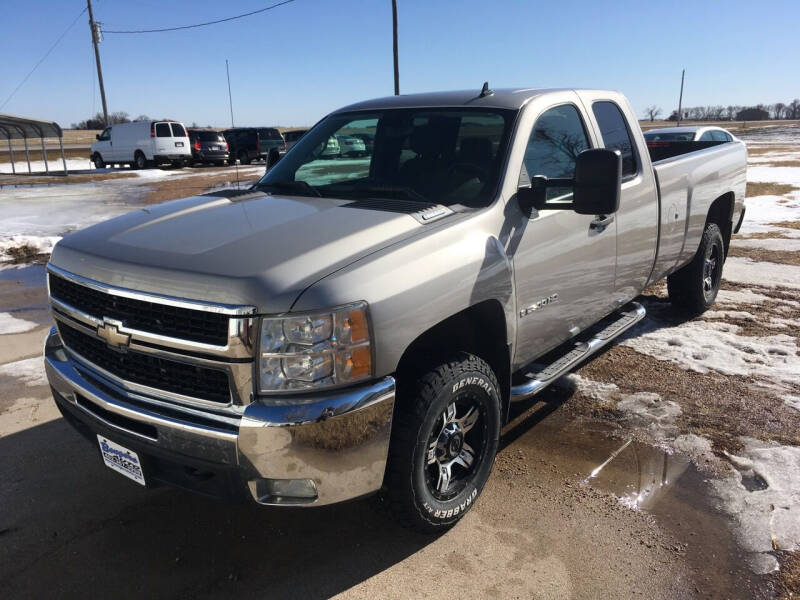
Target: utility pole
680,100
394,35
97,37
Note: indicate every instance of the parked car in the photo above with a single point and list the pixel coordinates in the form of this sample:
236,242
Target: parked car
142,144
368,139
242,145
692,133
208,146
350,145
269,138
344,329
674,141
292,137
247,144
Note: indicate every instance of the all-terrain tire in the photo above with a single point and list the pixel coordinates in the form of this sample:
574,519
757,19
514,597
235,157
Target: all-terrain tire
412,494
693,288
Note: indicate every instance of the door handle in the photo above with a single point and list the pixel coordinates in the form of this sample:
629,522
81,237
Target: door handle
601,222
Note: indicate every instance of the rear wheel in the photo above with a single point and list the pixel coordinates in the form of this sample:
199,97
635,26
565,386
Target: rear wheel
98,161
243,158
444,441
139,160
693,288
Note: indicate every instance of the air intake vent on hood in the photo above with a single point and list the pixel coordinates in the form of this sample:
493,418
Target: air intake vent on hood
234,193
423,212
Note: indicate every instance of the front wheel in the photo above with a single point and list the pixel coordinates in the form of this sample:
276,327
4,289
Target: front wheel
444,441
98,161
693,288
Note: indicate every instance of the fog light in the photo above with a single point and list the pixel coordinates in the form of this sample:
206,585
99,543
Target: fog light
284,491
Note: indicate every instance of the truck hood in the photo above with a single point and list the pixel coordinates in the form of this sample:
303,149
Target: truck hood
258,250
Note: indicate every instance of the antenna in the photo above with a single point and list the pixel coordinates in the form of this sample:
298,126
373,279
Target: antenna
485,91
230,102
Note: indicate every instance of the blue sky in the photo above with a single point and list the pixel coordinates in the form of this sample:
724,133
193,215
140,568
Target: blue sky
292,65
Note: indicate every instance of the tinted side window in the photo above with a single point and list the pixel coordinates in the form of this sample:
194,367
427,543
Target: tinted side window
106,135
178,130
555,142
162,130
706,137
615,134
719,136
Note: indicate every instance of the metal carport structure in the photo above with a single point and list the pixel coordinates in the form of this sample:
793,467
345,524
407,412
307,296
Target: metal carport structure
16,128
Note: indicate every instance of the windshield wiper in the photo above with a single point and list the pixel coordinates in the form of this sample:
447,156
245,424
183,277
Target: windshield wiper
297,186
380,191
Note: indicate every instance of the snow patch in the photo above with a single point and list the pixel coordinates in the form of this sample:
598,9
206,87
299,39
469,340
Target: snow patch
704,346
30,370
11,324
763,274
38,244
762,496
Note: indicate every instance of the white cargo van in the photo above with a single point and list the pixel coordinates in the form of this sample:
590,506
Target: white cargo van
142,144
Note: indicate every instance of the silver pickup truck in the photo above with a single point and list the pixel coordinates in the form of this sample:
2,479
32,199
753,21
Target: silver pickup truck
353,326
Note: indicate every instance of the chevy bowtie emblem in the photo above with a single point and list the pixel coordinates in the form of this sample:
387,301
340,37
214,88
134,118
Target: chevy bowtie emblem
112,336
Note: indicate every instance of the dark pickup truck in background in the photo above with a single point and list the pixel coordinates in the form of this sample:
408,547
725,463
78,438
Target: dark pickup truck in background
247,144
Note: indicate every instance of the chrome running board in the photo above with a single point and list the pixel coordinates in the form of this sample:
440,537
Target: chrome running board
539,376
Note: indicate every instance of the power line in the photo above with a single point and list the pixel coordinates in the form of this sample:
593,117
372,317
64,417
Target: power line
254,12
41,60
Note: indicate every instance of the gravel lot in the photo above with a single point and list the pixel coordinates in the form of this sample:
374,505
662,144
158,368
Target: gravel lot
668,466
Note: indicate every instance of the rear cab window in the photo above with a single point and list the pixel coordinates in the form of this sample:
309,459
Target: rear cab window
615,134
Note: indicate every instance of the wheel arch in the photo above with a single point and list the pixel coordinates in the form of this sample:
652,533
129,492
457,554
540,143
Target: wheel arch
721,213
479,330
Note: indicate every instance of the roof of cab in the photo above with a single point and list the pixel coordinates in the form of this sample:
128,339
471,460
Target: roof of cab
500,98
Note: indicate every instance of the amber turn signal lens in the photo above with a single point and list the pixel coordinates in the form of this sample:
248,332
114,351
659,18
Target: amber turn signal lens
358,326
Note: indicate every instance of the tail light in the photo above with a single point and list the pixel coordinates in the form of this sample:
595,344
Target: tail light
152,130
197,145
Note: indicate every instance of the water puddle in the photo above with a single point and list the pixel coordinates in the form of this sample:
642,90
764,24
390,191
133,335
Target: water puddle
29,276
666,485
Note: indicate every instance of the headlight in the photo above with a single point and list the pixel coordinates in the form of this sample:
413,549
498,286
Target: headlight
315,350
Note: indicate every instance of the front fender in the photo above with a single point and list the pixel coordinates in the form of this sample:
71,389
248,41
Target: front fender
419,282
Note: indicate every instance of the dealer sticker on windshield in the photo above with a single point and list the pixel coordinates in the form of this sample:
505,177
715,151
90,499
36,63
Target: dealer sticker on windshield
121,459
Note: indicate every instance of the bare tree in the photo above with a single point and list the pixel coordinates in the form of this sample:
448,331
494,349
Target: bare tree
794,108
142,118
652,112
778,109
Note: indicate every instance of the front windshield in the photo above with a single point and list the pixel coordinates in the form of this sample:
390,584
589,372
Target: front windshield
437,156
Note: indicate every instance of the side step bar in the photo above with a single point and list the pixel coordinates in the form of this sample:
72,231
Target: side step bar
540,376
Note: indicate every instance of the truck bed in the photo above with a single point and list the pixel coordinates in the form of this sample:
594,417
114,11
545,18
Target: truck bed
662,150
689,180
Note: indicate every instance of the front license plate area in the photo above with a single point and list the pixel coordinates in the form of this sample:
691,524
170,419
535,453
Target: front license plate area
121,460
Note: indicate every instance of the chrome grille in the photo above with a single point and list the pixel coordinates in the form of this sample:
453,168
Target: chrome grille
161,319
152,371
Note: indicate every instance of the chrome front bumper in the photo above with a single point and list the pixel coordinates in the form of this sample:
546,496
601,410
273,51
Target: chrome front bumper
338,440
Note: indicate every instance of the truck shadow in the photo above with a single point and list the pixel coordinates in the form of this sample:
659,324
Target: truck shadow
71,527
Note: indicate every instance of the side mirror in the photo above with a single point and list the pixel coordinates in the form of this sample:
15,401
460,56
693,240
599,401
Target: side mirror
595,187
598,179
97,137
272,158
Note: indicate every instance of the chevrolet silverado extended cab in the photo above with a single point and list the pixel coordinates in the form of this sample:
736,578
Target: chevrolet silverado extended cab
355,326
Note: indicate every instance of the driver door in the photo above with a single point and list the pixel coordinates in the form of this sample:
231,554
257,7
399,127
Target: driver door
564,263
